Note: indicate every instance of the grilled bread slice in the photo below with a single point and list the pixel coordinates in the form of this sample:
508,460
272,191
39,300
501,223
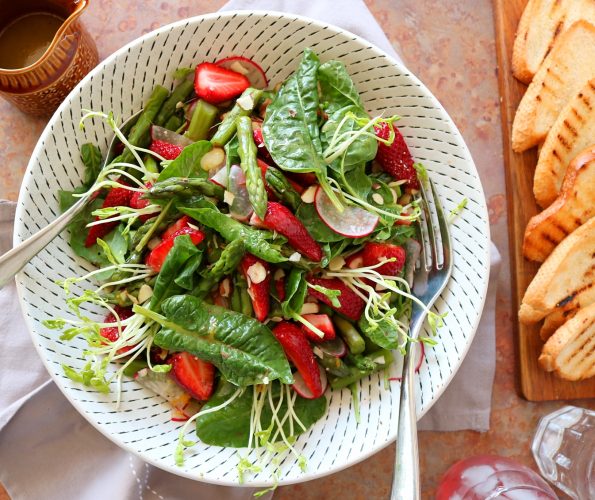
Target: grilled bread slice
555,320
570,352
566,279
542,23
574,206
567,68
573,131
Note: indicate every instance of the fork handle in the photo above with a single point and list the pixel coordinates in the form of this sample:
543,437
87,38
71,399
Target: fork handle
406,476
14,260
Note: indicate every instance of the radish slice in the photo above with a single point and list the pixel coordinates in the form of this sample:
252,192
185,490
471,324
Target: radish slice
240,207
421,354
246,67
302,389
335,347
162,134
163,385
353,222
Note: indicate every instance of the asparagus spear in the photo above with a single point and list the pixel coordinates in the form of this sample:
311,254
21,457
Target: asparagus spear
179,94
202,120
247,151
241,108
350,335
184,186
283,190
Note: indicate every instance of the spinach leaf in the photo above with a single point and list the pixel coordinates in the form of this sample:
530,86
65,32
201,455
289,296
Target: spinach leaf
256,241
296,289
243,349
232,157
188,163
65,198
93,161
228,261
290,128
186,278
165,285
230,426
317,229
382,334
340,97
116,241
358,182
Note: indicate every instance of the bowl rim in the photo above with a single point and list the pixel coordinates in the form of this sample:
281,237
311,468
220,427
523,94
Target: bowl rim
19,215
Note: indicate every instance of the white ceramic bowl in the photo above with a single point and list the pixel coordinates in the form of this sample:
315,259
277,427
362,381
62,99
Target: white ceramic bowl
121,84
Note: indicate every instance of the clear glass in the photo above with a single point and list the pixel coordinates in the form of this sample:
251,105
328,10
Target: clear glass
564,449
486,477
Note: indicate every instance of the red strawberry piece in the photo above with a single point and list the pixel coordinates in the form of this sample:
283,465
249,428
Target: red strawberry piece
193,374
138,202
352,305
401,222
304,179
116,197
279,218
261,148
112,333
323,323
355,260
279,282
165,149
215,84
374,253
157,257
258,275
396,159
175,227
298,350
263,168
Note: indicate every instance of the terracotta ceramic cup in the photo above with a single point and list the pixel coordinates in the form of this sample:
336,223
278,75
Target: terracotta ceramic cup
38,89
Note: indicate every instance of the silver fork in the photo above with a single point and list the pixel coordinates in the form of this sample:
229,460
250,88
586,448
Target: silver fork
430,278
14,260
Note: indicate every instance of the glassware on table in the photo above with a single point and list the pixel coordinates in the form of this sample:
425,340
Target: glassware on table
487,477
45,52
564,449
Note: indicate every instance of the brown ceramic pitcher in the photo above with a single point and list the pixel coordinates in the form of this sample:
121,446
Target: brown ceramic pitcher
39,88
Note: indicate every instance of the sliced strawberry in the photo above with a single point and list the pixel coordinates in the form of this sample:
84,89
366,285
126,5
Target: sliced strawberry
138,203
258,275
116,197
355,260
262,150
157,257
300,353
175,227
374,253
247,67
352,305
279,282
112,333
193,374
323,323
165,149
405,222
396,159
215,84
279,218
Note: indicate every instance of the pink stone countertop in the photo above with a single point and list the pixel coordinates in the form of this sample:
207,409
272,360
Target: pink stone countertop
450,46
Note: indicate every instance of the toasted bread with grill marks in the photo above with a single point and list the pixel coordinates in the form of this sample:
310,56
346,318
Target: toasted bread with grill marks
572,132
566,279
567,68
555,320
570,352
574,206
542,23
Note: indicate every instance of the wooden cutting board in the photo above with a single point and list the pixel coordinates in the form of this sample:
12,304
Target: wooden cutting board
535,383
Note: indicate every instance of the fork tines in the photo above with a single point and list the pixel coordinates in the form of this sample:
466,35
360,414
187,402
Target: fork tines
433,228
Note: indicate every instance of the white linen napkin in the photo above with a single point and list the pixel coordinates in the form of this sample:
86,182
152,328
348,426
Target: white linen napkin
45,426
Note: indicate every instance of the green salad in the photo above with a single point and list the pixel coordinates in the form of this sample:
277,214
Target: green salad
254,250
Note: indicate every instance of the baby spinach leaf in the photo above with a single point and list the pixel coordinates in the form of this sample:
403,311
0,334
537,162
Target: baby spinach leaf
256,240
243,349
186,278
296,289
230,426
382,333
290,128
165,285
188,163
232,157
228,261
340,97
93,161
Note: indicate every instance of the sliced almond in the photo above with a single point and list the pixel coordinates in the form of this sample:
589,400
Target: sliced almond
257,273
145,292
336,263
309,194
213,159
310,308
